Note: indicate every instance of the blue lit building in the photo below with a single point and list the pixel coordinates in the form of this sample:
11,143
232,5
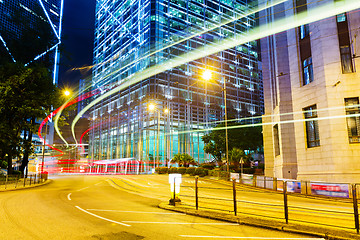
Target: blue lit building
18,16
131,36
48,11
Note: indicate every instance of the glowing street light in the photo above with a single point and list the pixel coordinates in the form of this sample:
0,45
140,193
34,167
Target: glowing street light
67,93
207,75
152,108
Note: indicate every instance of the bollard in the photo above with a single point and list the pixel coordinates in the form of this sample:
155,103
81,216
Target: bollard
6,181
175,181
234,197
356,211
196,193
24,180
35,179
285,202
16,181
30,179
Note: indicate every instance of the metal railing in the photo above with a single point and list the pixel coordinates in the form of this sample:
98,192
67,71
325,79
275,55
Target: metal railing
16,181
282,205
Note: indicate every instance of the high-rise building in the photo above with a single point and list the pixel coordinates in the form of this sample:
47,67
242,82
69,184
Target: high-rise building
131,36
21,17
311,94
13,14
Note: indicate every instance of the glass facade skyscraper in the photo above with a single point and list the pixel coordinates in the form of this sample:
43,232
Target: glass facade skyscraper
12,15
133,35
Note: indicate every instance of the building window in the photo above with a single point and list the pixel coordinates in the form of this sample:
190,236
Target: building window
307,68
344,44
276,140
312,127
304,31
353,122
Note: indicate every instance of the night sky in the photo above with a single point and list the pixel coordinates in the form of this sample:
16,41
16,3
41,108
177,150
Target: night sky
77,38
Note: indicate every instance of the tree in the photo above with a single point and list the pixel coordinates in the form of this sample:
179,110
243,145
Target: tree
183,159
239,136
26,93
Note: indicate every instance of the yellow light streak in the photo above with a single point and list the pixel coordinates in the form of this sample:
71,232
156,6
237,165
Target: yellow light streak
280,25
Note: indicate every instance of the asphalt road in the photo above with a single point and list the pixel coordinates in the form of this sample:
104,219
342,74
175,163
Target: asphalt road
92,207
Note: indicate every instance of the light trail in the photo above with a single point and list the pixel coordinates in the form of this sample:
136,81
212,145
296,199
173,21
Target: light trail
281,25
259,8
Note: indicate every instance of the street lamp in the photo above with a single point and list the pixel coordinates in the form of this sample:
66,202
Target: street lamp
152,108
207,74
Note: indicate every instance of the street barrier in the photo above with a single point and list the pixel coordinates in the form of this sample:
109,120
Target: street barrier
16,181
292,203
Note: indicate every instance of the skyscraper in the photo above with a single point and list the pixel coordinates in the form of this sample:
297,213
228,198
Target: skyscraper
13,15
131,36
40,23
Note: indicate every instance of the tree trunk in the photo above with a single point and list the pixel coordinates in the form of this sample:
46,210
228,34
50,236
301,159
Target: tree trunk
9,161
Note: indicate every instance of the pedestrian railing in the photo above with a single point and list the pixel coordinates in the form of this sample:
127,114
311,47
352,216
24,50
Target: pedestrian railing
288,206
18,181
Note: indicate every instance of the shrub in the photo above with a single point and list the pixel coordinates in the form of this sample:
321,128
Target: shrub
181,170
3,164
249,170
201,172
161,170
209,166
190,170
173,170
16,173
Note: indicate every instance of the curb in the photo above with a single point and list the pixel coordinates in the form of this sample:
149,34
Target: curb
307,229
27,187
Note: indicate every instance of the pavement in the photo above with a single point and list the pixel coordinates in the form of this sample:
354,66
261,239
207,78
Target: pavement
330,233
20,185
326,232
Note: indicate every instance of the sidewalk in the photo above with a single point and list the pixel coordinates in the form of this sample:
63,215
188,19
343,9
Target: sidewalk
316,231
20,185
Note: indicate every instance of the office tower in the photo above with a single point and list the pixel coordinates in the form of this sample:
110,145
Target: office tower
311,95
15,13
21,17
131,36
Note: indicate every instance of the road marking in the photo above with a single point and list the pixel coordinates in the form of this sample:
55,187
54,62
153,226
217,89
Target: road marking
164,213
182,223
106,219
82,189
68,196
230,237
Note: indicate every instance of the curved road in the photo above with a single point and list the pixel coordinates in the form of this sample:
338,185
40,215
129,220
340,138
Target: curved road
96,207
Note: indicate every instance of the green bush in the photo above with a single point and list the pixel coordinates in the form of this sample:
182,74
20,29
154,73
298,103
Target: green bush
190,170
209,166
173,170
161,170
3,164
249,170
181,170
201,172
16,173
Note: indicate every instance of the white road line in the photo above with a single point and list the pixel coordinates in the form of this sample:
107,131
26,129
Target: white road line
97,183
82,189
68,196
106,219
183,223
164,213
230,237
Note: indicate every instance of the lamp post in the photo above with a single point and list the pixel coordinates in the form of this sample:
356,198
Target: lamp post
152,108
207,77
